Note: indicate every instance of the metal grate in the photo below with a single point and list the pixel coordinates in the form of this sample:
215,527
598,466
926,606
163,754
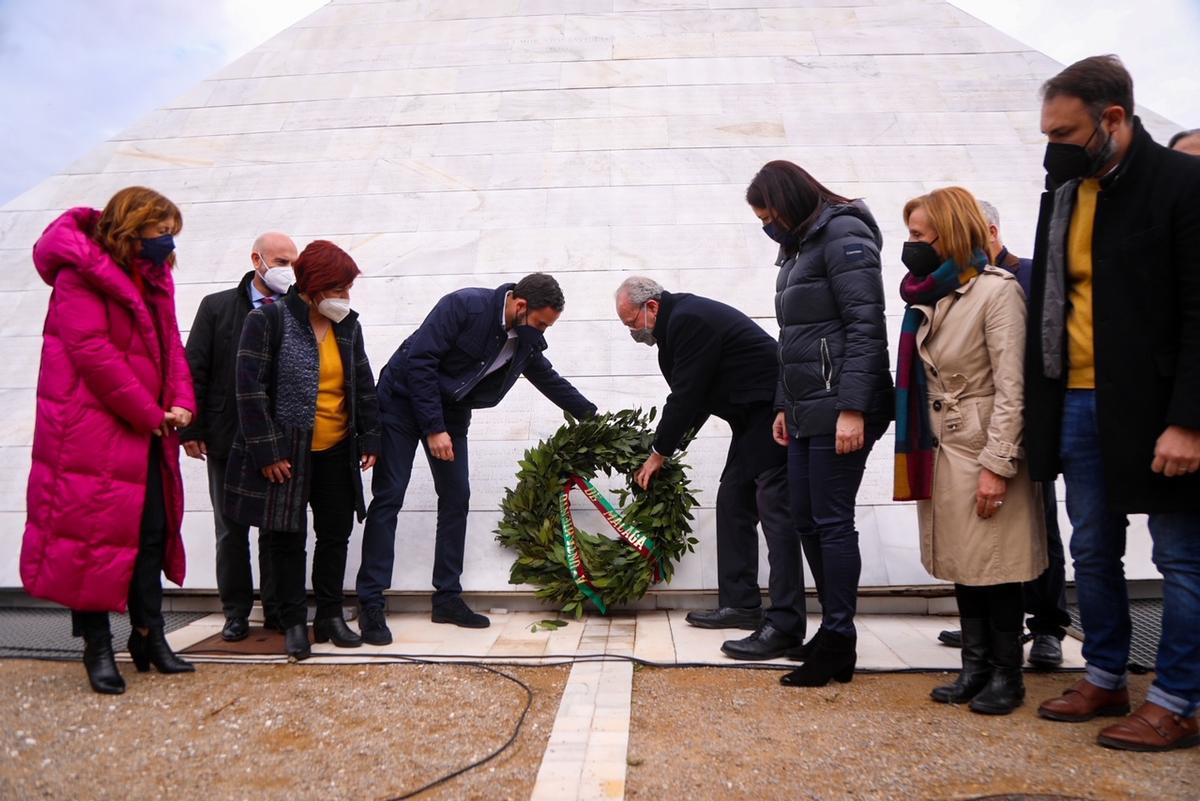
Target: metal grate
46,633
1146,616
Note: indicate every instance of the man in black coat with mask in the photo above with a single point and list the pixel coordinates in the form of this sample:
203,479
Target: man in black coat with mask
212,356
1112,388
718,361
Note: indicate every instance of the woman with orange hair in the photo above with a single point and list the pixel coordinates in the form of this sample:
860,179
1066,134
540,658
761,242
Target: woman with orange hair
959,409
309,423
105,498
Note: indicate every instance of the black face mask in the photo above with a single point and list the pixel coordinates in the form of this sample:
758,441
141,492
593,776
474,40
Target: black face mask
920,258
789,240
158,249
1064,162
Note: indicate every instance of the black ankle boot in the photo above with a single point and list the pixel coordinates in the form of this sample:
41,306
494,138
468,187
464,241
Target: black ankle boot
1005,691
802,652
976,664
295,641
335,628
101,666
152,649
833,657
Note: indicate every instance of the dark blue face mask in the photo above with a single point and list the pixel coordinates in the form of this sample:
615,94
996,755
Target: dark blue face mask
158,249
789,240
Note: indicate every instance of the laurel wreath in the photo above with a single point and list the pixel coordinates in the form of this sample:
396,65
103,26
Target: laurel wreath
536,519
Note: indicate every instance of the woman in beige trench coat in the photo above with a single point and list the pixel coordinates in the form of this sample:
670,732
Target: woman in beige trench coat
960,409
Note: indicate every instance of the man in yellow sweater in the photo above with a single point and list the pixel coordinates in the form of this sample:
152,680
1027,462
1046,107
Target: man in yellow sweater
1112,388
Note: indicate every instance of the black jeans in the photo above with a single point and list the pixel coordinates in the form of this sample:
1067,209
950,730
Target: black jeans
824,487
145,585
235,582
451,480
1000,604
741,505
1046,595
331,496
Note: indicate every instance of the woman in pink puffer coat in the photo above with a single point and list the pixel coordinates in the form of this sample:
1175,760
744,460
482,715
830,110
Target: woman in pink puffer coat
105,498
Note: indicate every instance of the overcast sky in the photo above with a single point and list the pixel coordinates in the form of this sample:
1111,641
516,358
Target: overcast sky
1159,41
75,72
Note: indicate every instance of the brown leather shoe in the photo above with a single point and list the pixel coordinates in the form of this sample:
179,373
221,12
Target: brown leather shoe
1151,728
1085,701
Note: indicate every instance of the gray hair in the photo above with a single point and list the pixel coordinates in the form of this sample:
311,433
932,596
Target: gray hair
639,289
989,213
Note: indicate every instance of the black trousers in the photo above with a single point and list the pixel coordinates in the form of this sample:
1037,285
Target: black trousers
331,496
145,585
235,582
753,491
741,505
1000,604
1046,596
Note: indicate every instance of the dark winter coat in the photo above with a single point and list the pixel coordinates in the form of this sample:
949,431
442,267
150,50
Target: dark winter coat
443,362
1146,313
278,373
716,361
1021,268
833,352
212,346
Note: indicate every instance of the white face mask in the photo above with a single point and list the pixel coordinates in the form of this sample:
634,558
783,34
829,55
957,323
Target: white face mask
335,309
277,279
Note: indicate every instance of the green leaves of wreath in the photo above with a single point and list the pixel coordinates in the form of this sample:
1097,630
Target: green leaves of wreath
571,566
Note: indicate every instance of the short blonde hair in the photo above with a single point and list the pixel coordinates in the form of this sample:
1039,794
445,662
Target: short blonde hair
958,220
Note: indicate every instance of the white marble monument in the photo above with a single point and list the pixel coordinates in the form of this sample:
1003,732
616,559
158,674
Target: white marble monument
452,143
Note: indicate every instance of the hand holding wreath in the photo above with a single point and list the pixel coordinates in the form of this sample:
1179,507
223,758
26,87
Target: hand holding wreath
571,566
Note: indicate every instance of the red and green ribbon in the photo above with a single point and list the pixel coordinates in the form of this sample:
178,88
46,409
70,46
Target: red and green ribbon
629,534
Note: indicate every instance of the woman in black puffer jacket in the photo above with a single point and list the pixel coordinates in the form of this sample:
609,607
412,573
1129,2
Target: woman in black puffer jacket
834,398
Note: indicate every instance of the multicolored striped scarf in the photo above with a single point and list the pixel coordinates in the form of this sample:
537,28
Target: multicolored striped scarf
913,479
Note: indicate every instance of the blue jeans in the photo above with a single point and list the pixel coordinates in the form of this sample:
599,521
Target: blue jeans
1098,550
451,480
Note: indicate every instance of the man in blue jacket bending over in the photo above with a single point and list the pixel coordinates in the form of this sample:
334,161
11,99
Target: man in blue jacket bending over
466,355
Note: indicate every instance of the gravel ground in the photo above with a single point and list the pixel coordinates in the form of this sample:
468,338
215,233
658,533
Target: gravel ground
738,734
267,732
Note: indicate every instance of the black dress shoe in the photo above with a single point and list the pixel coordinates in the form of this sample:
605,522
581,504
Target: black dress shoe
727,617
767,642
236,628
100,664
951,638
295,642
1046,652
151,648
372,622
457,612
335,628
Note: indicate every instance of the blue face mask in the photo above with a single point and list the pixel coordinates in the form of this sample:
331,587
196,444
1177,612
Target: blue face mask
158,249
789,240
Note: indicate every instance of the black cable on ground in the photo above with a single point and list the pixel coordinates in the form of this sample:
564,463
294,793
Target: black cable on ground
479,762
